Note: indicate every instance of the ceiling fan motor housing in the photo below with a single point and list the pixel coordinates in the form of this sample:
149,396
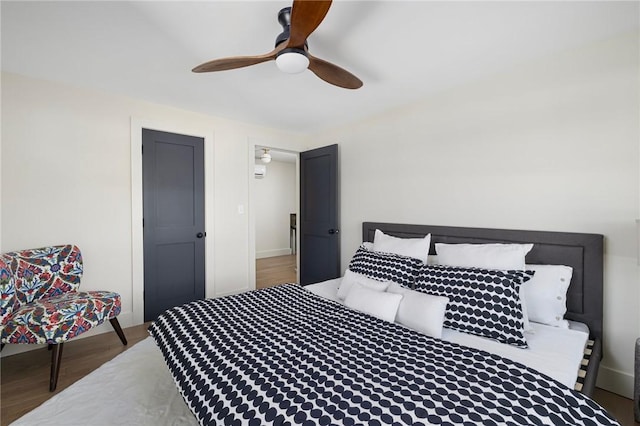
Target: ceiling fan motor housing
284,18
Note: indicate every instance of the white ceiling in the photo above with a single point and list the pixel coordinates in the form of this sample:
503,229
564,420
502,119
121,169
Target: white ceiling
402,51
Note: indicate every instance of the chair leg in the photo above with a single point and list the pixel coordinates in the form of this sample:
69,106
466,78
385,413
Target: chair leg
116,326
56,356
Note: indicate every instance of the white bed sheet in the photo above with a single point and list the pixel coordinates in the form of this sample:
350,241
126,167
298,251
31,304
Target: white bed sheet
327,289
553,351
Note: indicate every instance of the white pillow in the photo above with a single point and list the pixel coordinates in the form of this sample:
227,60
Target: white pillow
545,294
377,303
417,248
504,257
350,278
420,311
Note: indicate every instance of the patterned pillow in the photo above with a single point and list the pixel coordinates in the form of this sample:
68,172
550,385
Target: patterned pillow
484,302
385,266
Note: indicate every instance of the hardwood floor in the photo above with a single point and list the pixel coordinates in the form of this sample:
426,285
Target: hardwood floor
619,407
25,377
271,271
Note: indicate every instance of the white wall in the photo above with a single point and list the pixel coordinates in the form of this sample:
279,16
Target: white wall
551,145
67,177
274,200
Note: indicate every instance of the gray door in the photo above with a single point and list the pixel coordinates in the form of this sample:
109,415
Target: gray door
173,186
319,230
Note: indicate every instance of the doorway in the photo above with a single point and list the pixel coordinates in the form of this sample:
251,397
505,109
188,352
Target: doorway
275,205
316,245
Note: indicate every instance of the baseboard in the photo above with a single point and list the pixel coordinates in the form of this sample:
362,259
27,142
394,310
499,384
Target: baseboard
615,381
125,319
273,253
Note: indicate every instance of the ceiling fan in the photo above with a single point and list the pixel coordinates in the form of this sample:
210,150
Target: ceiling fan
291,52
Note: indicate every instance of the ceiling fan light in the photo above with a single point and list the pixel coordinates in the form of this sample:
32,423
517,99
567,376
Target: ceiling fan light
266,157
292,62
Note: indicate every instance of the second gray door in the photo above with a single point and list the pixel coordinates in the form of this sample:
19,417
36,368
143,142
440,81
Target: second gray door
319,232
173,186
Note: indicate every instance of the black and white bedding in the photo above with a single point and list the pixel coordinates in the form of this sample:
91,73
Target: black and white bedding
284,355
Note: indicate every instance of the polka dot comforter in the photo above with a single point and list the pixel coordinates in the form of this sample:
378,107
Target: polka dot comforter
283,355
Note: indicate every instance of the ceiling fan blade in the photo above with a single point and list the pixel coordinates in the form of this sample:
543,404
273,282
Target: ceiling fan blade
306,15
237,61
333,74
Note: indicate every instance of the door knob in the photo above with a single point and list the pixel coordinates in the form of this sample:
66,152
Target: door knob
200,235
334,231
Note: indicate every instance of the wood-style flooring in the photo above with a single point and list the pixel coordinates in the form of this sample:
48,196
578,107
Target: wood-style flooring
619,407
24,378
271,271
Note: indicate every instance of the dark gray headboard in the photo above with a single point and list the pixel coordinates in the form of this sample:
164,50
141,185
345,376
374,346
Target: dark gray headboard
583,252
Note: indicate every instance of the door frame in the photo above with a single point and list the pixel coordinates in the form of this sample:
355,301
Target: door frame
137,237
278,146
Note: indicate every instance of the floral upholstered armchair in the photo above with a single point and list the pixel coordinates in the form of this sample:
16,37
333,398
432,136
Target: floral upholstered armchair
40,302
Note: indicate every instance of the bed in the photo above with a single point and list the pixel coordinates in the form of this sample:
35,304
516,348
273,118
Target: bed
288,355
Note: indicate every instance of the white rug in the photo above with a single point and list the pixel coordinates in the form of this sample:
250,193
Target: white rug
134,388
